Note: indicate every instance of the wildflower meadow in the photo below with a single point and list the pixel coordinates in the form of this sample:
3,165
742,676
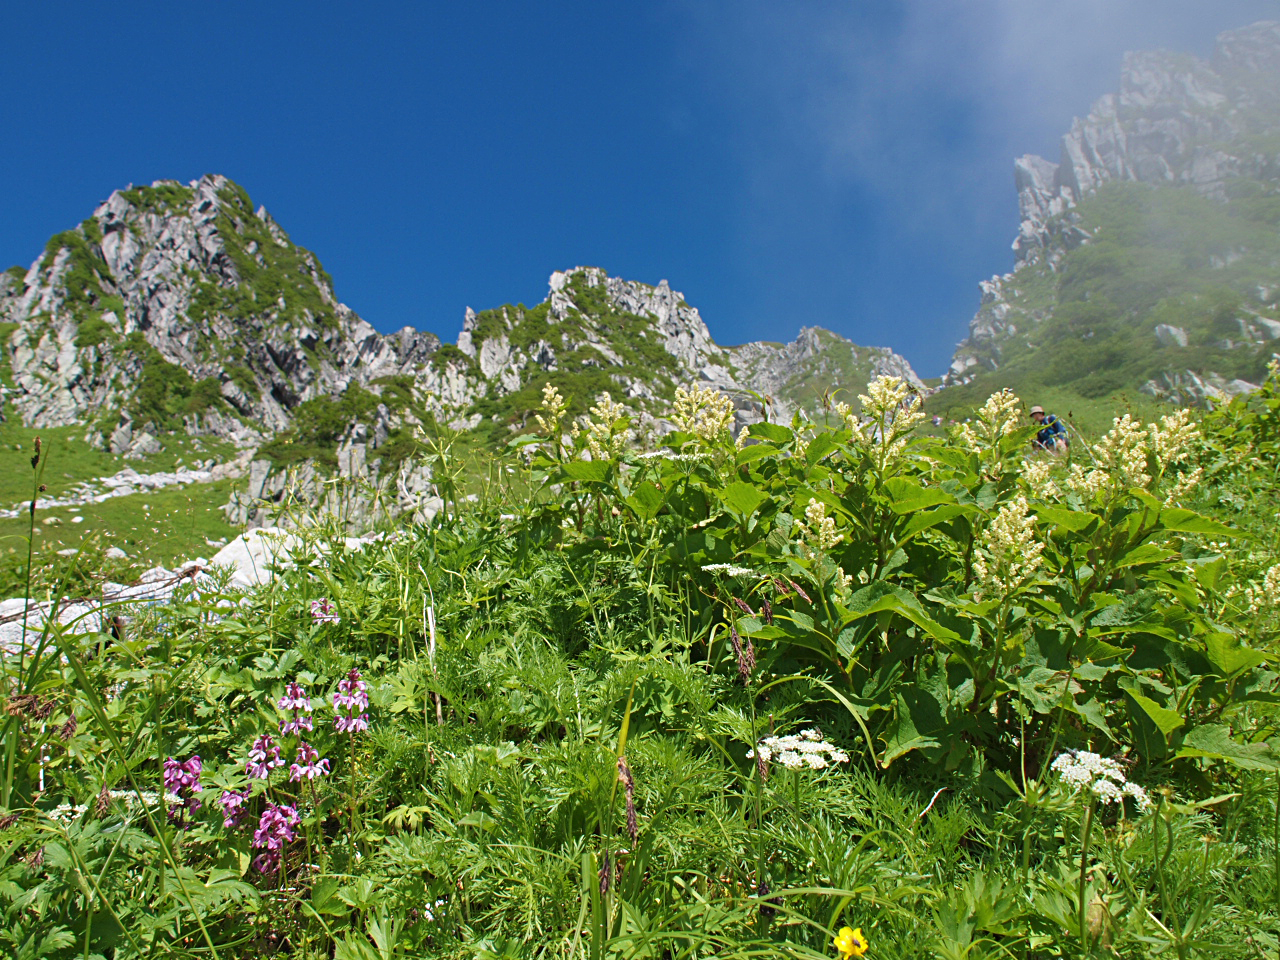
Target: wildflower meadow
820,689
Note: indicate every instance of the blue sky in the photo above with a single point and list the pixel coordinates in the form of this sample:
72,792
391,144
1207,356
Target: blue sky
782,163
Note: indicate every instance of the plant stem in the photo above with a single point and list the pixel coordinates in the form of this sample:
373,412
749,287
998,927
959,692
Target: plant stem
1084,863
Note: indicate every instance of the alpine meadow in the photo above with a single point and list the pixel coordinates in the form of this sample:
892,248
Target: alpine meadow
587,637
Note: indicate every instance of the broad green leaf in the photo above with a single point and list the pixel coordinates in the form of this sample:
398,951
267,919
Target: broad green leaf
645,500
907,496
1188,521
1215,742
821,446
1146,553
1226,653
742,499
1072,520
880,597
1165,719
591,470
923,521
773,432
755,451
917,719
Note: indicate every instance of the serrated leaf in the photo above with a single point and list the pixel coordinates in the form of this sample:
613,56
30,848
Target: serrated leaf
773,432
742,499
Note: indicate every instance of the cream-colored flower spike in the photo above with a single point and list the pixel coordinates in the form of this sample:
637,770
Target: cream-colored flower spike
702,411
1008,553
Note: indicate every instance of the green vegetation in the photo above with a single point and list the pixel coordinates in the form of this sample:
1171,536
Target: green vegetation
162,198
555,723
1159,255
319,425
165,392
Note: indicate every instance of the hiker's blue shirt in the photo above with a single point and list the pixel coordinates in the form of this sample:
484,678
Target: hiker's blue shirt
1052,431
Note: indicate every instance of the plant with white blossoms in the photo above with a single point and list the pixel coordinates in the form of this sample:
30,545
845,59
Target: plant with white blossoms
893,410
1266,596
1038,476
554,406
602,441
1000,416
1100,777
703,412
817,531
797,751
1009,553
729,570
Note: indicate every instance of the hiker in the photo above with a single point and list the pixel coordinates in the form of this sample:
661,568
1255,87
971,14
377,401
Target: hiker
1053,433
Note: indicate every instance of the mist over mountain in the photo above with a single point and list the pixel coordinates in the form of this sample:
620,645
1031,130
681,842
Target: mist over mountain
1148,256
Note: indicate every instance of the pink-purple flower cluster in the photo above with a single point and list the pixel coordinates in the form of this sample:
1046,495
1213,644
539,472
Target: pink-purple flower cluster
295,699
275,829
322,611
231,803
352,697
184,780
309,764
264,756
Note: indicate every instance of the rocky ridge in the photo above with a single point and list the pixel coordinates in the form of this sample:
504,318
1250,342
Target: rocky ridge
1175,122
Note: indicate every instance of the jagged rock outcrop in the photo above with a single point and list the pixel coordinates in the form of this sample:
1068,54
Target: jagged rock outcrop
1176,121
184,300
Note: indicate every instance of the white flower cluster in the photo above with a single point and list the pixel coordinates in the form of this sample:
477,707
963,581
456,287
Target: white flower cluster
555,407
729,570
1008,554
1101,776
66,812
798,751
817,531
1267,596
702,411
1172,438
602,442
1038,475
893,411
999,417
674,457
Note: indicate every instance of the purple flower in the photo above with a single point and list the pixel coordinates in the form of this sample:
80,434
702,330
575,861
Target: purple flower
295,698
322,611
230,803
351,696
264,755
275,829
309,764
184,780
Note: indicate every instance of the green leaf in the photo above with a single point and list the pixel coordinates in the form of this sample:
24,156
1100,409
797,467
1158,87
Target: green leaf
1226,654
1165,719
773,432
923,521
645,500
1213,741
1188,521
742,499
880,596
821,445
1072,520
918,718
590,470
907,496
755,451
1146,553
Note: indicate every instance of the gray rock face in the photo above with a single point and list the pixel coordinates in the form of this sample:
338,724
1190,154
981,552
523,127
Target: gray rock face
1170,336
187,272
1175,120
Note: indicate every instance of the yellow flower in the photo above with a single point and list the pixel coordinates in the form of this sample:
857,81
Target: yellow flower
850,942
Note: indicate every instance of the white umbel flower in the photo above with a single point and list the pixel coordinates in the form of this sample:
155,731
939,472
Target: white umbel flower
1101,777
806,750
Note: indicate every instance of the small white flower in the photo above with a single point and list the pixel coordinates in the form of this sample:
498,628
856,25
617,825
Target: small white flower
1083,770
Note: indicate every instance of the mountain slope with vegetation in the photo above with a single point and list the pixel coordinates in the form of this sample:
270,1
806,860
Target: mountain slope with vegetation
1149,257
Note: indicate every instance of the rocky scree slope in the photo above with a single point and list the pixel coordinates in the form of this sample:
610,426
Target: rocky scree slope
1149,256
